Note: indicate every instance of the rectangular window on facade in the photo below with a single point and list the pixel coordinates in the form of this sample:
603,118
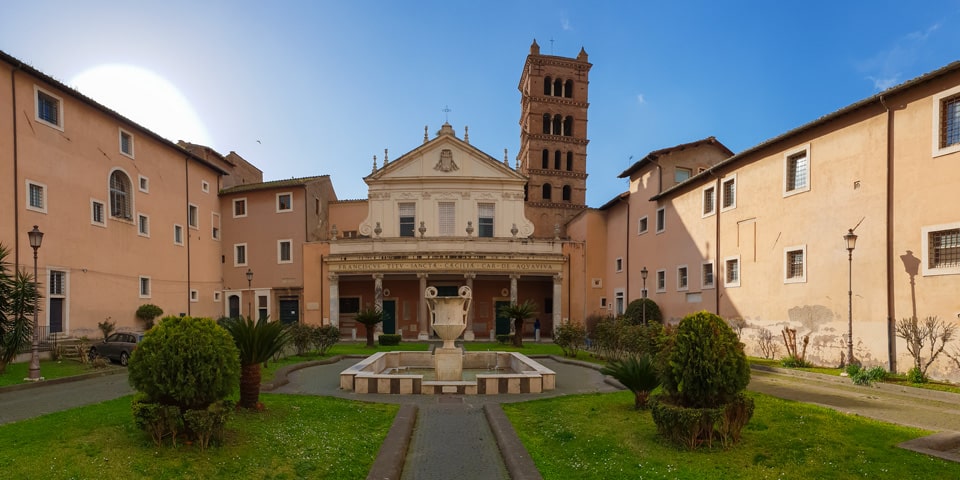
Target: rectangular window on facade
57,283
618,303
216,296
682,277
36,197
661,280
797,175
641,225
949,121
707,275
194,296
448,218
603,302
728,193
284,202
144,184
285,251
49,109
408,212
709,201
240,255
943,248
126,143
144,287
618,264
731,272
204,186
193,216
178,235
485,220
215,226
143,225
795,264
239,207
96,213
681,174
349,305
661,219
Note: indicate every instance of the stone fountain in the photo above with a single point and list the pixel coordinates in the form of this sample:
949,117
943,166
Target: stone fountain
449,319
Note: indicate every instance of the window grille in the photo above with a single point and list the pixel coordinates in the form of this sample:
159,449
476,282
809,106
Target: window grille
708,275
797,173
795,264
708,201
407,218
950,121
729,193
48,108
682,277
36,196
733,271
944,250
120,195
485,220
56,282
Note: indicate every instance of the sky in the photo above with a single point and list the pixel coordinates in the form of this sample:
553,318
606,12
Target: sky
303,88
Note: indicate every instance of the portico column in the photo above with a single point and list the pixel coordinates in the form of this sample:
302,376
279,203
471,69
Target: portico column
468,333
513,287
557,292
422,325
378,299
334,300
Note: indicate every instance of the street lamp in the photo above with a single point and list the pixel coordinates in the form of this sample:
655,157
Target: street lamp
851,239
250,292
643,275
36,237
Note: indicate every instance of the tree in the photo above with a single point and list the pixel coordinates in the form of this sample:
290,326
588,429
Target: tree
148,312
642,308
370,317
932,331
257,341
519,313
18,298
636,372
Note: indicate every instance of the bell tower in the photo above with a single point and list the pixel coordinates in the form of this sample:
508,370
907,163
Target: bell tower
553,138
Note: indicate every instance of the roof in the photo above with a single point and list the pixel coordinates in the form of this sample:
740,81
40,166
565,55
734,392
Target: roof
20,65
875,99
292,182
613,201
652,156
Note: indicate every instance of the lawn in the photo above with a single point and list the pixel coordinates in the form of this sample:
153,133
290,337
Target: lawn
600,436
296,437
49,370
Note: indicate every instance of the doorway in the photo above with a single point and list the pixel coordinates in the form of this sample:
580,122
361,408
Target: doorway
289,310
390,316
503,321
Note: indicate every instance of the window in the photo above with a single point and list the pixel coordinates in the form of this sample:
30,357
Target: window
941,249
706,275
284,251
144,184
795,264
728,193
284,202
143,225
681,174
641,225
603,302
946,121
618,301
661,280
682,283
205,186
448,218
661,219
239,207
144,287
485,220
709,201
178,235
545,161
121,196
240,255
731,276
407,218
797,176
57,283
569,161
547,191
567,193
349,305
49,109
215,226
556,159
126,143
36,197
216,296
194,295
96,213
193,215
618,264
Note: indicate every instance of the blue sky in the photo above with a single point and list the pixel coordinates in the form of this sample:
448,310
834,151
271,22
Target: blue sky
311,88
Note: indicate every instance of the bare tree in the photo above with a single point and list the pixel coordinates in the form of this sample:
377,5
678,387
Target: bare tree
931,332
768,347
737,324
790,342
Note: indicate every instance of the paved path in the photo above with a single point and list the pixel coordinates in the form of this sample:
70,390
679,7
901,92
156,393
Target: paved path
23,403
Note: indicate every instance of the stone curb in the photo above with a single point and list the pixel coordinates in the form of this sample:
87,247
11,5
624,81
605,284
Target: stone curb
515,456
57,381
393,452
887,387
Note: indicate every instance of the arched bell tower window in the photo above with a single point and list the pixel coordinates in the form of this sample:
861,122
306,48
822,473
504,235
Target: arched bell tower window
546,123
547,86
569,161
557,124
567,126
568,89
546,191
557,87
556,160
546,159
566,193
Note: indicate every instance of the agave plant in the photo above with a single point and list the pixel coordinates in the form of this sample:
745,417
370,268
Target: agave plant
637,373
257,341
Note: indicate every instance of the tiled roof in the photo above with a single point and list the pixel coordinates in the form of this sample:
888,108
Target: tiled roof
292,182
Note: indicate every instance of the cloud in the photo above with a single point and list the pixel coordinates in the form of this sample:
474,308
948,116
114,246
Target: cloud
885,68
565,24
640,99
884,83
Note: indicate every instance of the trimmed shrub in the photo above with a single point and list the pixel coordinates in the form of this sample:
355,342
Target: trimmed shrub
863,376
302,337
156,419
148,313
324,337
692,427
636,312
797,362
390,339
915,375
570,337
208,424
185,361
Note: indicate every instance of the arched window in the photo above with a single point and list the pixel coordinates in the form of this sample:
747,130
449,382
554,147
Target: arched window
546,123
568,89
120,195
546,159
567,126
546,191
566,193
569,161
557,88
557,124
556,160
547,84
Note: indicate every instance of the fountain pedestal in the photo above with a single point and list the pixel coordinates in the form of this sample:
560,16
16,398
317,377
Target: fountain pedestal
449,319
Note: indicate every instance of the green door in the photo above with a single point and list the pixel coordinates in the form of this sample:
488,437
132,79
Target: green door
503,322
390,316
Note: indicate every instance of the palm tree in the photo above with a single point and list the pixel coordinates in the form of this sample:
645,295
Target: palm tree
519,313
637,373
257,341
18,298
370,317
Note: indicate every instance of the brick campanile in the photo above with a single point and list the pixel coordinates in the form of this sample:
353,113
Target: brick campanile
553,138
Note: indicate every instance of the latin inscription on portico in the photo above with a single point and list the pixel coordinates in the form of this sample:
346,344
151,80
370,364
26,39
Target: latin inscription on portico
446,265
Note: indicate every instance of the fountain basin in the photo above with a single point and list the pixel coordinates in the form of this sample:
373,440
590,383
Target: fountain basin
487,373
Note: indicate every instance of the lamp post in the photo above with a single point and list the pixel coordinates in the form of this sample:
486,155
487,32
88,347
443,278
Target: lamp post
250,292
643,275
851,239
36,237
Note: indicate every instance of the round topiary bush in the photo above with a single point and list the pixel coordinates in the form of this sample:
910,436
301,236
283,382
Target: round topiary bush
185,361
635,312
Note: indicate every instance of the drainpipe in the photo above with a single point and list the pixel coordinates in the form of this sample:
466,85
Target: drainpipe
16,177
186,169
626,259
891,319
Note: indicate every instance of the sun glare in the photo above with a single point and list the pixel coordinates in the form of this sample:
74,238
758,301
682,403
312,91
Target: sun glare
144,97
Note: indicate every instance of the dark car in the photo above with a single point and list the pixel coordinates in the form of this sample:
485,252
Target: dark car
118,347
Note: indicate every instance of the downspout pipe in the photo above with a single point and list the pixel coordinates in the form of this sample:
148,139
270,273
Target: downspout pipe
16,176
186,180
891,314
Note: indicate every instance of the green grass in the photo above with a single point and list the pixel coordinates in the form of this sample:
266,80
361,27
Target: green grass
898,379
601,436
49,370
296,437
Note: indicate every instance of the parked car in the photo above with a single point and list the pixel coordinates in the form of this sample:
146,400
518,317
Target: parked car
117,347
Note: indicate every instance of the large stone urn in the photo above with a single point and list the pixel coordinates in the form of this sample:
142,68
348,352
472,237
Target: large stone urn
448,317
